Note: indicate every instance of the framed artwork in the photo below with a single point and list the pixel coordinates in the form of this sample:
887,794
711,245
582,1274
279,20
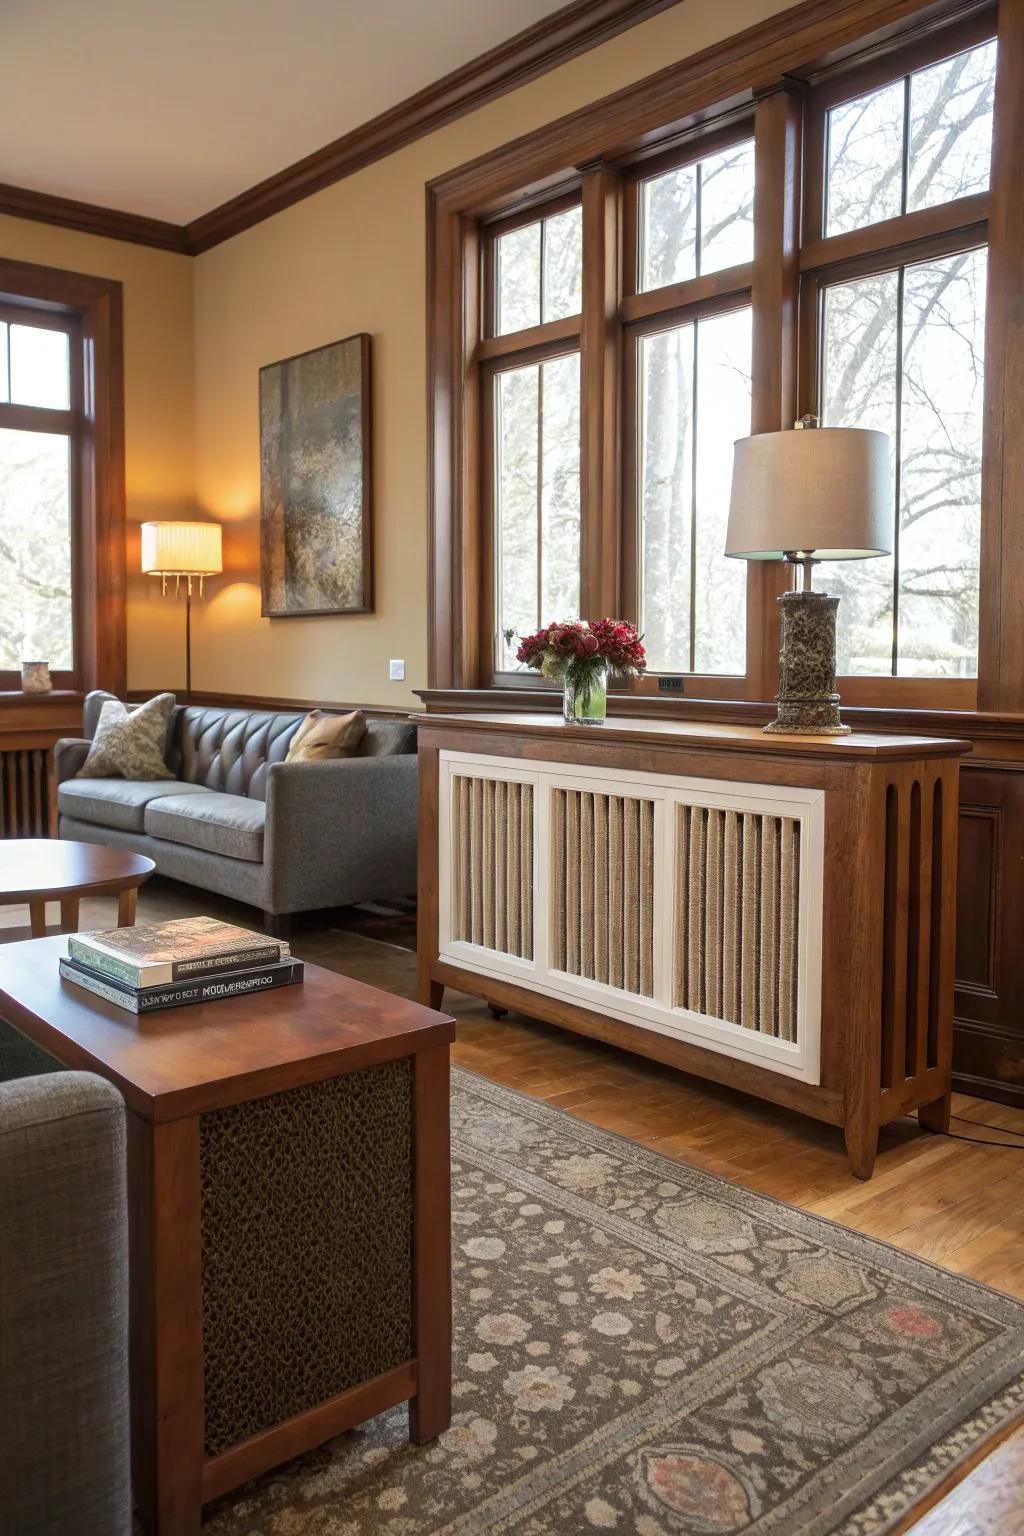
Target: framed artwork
316,550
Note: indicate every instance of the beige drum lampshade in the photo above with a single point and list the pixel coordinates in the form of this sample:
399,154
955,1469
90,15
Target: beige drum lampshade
181,549
826,491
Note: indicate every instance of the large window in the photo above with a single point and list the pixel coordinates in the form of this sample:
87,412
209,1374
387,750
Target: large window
818,246
38,424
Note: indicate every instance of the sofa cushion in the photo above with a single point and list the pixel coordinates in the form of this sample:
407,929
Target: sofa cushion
387,738
130,743
322,738
117,802
227,824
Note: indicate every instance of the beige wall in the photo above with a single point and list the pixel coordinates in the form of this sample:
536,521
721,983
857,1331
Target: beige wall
351,259
159,407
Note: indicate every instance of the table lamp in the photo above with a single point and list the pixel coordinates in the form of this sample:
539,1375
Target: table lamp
188,552
816,493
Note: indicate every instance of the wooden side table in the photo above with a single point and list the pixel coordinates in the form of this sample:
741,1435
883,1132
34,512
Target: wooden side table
41,869
289,1193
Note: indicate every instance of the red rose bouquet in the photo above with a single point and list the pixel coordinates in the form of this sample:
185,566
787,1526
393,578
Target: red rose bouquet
580,657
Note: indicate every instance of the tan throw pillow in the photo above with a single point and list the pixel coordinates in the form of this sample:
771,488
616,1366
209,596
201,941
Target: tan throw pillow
322,736
129,744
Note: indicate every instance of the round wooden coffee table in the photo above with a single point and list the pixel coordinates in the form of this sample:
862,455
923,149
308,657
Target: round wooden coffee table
40,869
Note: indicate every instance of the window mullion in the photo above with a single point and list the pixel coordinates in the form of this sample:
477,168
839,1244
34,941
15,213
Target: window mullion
694,426
898,467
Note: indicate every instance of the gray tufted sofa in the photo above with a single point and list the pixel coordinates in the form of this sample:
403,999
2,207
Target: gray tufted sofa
237,819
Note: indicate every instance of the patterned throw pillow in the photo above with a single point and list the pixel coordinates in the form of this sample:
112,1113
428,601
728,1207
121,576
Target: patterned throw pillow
129,744
321,737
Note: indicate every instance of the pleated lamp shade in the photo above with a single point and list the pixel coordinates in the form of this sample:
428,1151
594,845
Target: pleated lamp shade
181,549
826,490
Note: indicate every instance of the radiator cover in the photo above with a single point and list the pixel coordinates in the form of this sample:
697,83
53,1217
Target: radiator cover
690,906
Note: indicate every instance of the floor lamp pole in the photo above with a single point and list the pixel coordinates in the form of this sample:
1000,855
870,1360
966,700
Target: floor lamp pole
188,642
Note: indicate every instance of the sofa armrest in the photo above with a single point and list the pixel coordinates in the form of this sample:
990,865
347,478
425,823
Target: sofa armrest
341,831
69,755
64,1418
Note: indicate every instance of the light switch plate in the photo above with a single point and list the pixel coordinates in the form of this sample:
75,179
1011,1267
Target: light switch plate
396,671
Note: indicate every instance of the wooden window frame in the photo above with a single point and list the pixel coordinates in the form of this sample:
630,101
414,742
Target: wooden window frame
67,421
646,313
782,72
886,246
495,354
90,310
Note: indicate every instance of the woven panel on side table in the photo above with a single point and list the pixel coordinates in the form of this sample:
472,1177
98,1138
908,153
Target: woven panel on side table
307,1247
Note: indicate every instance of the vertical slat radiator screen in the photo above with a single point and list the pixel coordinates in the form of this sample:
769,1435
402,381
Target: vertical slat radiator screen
492,826
737,899
693,907
24,792
602,888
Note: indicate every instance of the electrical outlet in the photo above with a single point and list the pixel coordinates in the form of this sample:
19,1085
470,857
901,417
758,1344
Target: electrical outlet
396,671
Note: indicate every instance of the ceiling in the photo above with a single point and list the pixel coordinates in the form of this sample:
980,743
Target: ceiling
170,107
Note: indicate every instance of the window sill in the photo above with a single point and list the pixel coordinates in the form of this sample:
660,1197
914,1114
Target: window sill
60,695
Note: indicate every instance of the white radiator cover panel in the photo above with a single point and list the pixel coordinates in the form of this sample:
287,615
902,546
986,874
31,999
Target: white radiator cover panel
691,907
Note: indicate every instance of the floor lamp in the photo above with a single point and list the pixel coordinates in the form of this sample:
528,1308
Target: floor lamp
188,552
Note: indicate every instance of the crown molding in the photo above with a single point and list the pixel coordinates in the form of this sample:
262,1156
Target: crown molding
570,31
92,219
573,30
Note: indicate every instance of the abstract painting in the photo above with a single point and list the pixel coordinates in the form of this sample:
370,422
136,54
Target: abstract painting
316,552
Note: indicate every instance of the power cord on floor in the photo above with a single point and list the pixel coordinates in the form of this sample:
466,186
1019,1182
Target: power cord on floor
984,1141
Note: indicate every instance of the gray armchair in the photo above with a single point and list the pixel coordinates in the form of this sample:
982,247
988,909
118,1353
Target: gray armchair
64,1419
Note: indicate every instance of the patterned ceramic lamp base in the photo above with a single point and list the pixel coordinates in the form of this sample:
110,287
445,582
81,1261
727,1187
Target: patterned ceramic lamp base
808,704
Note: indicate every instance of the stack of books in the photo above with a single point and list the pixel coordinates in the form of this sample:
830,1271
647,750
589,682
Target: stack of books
166,965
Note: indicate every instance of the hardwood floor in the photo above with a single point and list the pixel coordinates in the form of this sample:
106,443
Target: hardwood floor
956,1203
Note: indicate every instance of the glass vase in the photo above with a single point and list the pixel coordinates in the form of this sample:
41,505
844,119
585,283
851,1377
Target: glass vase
585,696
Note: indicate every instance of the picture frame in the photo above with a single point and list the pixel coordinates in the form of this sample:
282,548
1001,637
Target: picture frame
316,486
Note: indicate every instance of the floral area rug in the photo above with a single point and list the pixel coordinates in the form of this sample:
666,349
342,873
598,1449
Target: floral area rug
640,1347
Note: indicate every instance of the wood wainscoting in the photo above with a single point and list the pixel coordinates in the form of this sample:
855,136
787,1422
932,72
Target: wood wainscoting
988,1049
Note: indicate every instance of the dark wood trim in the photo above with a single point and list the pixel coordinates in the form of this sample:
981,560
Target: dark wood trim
677,298
778,148
97,347
567,33
514,343
92,219
251,1457
601,393
966,220
1001,640
260,701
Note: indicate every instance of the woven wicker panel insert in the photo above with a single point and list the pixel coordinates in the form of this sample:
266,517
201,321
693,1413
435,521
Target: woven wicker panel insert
737,917
492,864
602,888
307,1247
